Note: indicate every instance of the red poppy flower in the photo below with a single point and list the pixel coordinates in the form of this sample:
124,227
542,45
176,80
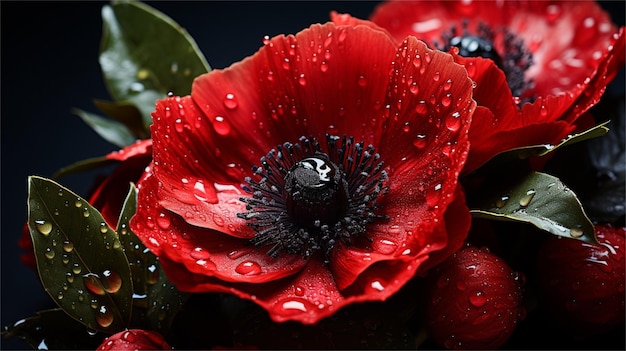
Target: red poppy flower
109,192
134,339
556,57
321,222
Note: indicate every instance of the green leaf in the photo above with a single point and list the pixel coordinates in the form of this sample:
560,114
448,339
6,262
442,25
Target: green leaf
144,55
110,130
80,260
540,199
156,300
54,330
84,165
125,113
542,150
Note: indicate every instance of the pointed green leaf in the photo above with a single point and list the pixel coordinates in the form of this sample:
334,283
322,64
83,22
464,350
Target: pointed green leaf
84,165
542,150
80,260
110,130
125,113
542,200
54,330
144,55
156,300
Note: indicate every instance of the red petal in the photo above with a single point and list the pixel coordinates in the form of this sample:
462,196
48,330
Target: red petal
401,249
204,251
324,79
425,131
139,148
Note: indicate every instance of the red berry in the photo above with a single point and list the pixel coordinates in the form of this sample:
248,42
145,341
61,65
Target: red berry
475,301
583,284
134,339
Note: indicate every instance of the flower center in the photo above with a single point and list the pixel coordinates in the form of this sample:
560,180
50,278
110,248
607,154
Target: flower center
310,199
509,54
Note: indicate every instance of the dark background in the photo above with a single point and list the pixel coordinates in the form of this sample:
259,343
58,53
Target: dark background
49,64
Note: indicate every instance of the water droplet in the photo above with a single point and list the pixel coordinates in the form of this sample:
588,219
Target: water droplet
43,227
299,291
285,64
78,203
218,220
199,254
433,195
302,80
525,200
178,125
76,268
377,285
419,141
478,299
295,306
60,295
437,76
576,232
163,221
453,122
86,212
323,66
153,274
414,88
553,12
111,281
104,317
49,253
446,100
93,284
421,107
69,277
248,268
362,81
103,228
68,246
221,126
129,336
384,246
502,201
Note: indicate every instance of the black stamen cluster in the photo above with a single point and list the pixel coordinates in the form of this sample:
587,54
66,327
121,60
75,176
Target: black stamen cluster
294,212
514,59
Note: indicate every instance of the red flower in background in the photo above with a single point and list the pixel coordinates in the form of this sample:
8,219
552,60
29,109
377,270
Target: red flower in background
556,57
109,192
133,340
322,222
585,282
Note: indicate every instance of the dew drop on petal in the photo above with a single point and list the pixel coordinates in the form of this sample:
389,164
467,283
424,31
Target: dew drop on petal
199,254
478,299
362,81
248,268
302,80
221,126
384,246
163,221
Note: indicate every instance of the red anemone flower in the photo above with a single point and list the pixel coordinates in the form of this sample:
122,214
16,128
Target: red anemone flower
109,191
555,56
321,222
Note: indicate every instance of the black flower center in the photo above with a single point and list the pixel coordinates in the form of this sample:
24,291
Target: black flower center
511,56
309,199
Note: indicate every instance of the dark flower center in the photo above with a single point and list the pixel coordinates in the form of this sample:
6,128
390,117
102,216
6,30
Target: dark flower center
514,57
308,199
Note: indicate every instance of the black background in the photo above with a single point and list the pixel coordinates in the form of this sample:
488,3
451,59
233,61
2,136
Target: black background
49,64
